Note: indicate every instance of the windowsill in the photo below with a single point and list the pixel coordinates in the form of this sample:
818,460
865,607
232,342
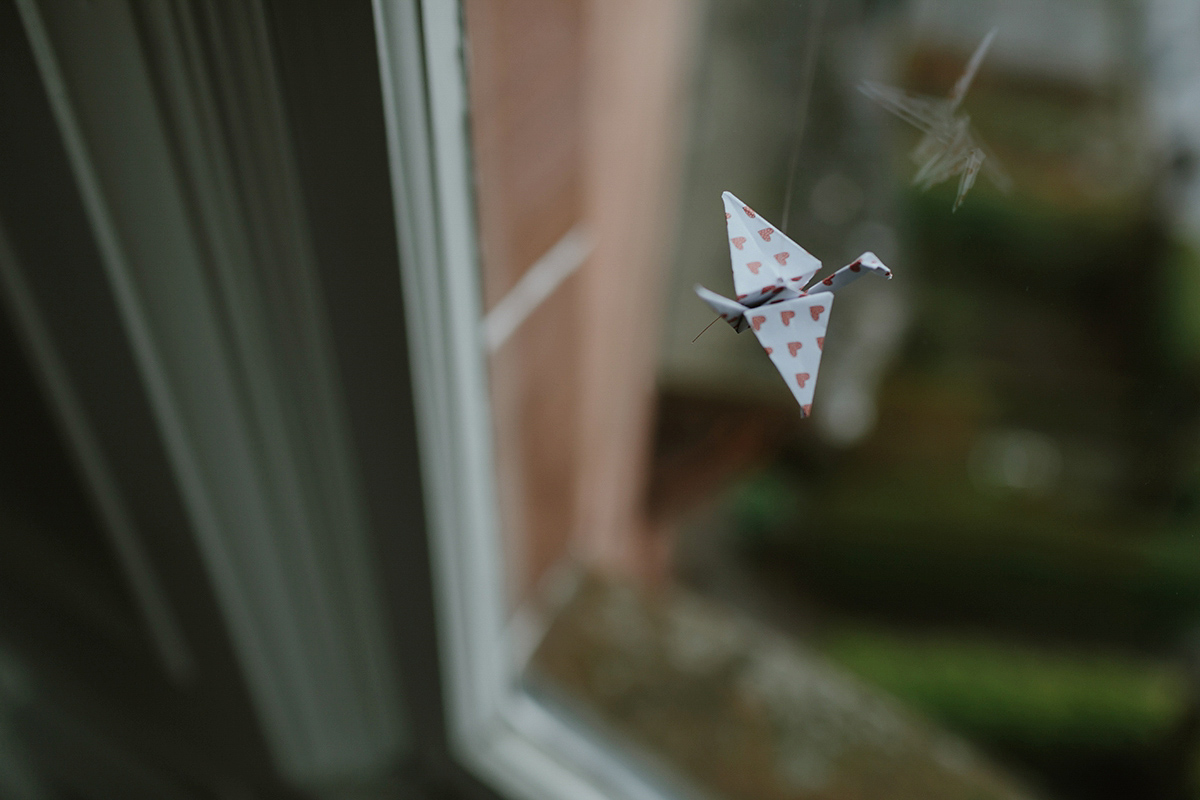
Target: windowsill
741,711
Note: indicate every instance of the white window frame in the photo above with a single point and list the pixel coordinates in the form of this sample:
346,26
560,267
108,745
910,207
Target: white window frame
496,729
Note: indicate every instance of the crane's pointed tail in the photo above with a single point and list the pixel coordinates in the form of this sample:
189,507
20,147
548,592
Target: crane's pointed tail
731,311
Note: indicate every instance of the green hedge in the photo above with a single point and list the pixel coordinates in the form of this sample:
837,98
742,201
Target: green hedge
1006,693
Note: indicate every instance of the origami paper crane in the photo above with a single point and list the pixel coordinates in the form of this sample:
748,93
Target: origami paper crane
949,146
769,275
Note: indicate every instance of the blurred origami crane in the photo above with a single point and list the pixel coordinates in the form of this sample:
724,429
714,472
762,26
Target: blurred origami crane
949,146
769,275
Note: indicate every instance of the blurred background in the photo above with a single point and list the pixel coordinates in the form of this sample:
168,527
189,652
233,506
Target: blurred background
980,555
974,573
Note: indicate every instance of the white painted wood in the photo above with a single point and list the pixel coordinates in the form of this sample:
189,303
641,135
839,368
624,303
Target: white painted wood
499,731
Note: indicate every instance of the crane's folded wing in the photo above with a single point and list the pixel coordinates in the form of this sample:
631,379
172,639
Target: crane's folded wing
793,334
789,264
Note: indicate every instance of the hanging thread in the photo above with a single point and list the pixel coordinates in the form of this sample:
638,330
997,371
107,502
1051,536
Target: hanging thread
812,49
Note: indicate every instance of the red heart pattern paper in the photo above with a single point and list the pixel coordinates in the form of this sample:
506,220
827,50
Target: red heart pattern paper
753,241
865,263
791,333
788,322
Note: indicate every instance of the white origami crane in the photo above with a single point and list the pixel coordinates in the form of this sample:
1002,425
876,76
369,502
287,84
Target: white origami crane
769,275
949,147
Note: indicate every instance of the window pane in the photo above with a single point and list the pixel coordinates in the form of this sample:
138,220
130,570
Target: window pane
973,571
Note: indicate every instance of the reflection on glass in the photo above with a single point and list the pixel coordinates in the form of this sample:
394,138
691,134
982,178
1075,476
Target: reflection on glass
975,572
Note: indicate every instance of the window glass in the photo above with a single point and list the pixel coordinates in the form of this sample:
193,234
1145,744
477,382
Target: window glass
974,570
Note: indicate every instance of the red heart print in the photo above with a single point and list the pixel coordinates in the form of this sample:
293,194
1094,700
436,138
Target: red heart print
820,342
754,266
728,215
757,322
786,316
741,297
769,350
856,266
782,257
738,241
806,410
816,311
765,233
749,213
828,281
802,378
793,347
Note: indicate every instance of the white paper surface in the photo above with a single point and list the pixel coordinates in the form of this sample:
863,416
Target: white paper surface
860,266
793,334
767,265
769,274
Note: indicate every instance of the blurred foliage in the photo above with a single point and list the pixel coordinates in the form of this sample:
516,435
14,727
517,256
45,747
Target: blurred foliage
1031,239
999,692
986,568
1181,299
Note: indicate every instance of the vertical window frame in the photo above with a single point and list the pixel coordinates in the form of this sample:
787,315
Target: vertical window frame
497,730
